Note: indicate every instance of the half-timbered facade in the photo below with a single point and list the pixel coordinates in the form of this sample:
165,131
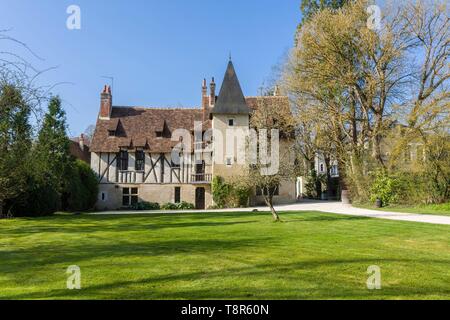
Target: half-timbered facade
131,150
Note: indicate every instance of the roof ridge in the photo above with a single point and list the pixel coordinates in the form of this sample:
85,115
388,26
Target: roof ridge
158,108
283,96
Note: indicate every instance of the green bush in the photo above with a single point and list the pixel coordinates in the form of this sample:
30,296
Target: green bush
220,191
243,194
185,206
386,188
144,205
226,195
178,206
82,188
40,199
169,206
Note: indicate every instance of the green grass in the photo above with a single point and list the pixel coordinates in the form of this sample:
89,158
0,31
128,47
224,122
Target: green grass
435,209
311,255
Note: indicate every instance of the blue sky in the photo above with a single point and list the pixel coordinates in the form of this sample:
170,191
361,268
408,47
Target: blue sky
157,51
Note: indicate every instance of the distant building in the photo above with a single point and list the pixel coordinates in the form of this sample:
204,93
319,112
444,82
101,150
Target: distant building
79,148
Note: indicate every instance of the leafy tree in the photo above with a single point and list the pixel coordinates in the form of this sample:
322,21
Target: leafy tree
82,192
311,7
15,141
354,83
52,149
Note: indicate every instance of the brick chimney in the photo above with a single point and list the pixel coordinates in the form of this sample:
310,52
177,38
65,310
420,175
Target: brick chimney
105,103
205,101
81,141
212,93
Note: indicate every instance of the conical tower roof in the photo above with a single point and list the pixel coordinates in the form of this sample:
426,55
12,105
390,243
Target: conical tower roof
231,99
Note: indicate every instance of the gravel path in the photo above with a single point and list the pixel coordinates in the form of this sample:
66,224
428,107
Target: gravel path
323,206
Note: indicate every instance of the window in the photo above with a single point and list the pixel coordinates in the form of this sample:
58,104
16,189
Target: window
103,196
321,167
420,154
274,190
129,196
231,122
122,160
140,160
111,133
334,170
159,134
177,195
229,161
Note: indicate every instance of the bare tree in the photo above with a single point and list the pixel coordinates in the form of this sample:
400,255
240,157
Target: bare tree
277,121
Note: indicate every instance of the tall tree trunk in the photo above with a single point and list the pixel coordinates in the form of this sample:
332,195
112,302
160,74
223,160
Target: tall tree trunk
376,140
329,180
269,202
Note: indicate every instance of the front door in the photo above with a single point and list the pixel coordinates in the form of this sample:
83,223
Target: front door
200,198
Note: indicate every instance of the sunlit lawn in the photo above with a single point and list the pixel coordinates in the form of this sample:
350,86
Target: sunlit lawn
223,255
435,209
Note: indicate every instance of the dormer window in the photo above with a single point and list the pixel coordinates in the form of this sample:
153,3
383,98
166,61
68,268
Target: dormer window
111,133
231,122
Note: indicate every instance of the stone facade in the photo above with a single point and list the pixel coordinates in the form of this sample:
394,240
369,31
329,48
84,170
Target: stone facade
111,195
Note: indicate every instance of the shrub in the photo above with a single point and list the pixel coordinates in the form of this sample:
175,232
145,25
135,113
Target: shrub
144,205
313,185
242,194
169,206
178,206
386,188
228,195
185,206
82,188
220,191
40,199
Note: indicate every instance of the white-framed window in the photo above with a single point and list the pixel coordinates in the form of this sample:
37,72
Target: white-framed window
229,161
334,170
231,122
129,196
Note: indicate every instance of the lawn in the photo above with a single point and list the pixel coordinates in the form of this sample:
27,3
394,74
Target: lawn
310,255
436,209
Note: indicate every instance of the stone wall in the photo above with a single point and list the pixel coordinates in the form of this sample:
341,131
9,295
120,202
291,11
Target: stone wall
110,195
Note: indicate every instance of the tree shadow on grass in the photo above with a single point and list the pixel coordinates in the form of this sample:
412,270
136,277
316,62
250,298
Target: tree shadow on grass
323,285
75,253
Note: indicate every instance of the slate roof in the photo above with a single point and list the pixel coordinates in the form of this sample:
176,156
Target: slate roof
137,127
231,99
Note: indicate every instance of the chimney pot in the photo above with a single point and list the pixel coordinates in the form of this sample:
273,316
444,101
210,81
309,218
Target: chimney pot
105,103
212,88
81,142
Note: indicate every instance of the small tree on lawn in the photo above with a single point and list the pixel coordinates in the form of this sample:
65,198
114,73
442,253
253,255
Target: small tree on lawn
277,124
